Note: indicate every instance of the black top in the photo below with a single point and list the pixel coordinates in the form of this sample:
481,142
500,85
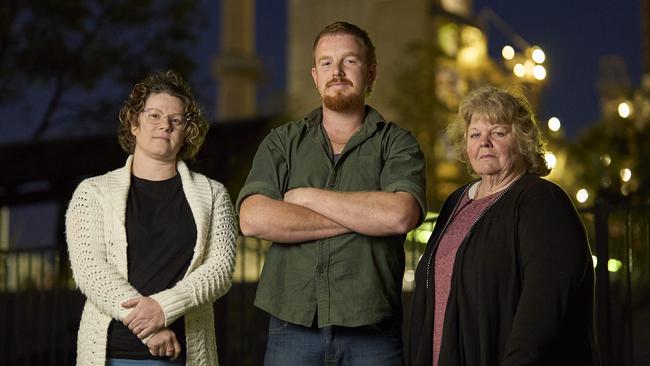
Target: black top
522,290
161,235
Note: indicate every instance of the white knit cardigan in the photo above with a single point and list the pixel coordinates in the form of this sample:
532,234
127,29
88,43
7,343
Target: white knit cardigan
96,235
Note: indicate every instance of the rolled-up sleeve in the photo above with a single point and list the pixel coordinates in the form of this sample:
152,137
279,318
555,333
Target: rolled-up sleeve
269,171
404,167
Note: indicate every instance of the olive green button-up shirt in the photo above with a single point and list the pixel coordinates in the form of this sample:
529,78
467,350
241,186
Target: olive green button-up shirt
352,279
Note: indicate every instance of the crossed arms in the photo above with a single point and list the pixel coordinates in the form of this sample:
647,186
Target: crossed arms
307,214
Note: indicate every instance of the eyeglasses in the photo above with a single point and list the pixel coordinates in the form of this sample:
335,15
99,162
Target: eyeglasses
155,116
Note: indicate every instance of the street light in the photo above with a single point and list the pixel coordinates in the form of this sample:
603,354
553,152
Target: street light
624,109
539,72
538,55
519,70
605,159
554,124
526,65
508,52
626,174
551,160
582,195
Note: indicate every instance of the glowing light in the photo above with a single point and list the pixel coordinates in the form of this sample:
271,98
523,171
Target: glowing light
605,159
624,109
519,70
538,55
539,72
474,49
613,265
626,174
582,195
508,52
409,275
529,65
469,56
422,236
551,160
554,124
625,189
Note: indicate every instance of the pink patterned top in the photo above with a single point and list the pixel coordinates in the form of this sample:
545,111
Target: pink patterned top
466,214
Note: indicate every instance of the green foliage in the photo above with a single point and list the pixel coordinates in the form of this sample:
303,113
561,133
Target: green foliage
606,148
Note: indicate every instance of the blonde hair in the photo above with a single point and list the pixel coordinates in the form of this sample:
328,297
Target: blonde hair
501,106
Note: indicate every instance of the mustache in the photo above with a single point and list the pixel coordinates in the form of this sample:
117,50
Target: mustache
338,80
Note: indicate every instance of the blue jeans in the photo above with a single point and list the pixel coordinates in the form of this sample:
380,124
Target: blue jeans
127,362
376,345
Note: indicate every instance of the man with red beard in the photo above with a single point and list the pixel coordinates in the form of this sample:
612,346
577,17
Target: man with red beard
336,193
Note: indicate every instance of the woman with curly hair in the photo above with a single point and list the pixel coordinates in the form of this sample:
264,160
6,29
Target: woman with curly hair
152,244
507,276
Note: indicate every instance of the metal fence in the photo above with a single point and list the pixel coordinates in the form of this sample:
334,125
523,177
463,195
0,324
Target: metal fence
40,307
620,240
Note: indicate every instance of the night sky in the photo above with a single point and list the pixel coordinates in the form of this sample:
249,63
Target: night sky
574,36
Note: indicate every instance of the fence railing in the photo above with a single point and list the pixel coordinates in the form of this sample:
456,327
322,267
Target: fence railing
620,241
40,307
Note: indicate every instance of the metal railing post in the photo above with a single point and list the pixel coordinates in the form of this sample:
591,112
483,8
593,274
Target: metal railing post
603,318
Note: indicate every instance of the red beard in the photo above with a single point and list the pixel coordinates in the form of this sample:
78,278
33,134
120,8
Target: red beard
340,102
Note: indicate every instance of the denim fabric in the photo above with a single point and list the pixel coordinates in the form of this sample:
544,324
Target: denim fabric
375,345
127,362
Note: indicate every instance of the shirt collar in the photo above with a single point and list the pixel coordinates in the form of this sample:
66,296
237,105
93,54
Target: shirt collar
372,121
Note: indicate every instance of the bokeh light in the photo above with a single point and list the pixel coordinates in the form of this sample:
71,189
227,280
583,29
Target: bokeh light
508,52
554,124
582,196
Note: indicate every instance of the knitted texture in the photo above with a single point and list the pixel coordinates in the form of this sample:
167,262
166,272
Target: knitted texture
96,236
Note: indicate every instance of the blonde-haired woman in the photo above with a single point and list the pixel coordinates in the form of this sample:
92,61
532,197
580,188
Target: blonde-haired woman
507,276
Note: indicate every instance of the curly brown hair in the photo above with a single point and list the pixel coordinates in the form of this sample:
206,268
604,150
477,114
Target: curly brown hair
168,82
501,106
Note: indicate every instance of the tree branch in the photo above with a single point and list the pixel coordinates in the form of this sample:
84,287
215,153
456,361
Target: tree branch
60,84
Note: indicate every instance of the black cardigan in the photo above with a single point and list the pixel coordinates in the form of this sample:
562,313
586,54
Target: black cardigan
522,289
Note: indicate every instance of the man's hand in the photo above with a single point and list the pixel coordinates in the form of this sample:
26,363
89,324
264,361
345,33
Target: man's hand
164,344
146,318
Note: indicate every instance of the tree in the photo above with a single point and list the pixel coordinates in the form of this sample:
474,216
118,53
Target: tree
601,154
83,56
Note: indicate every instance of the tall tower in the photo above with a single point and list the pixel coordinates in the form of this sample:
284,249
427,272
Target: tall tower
237,68
645,36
